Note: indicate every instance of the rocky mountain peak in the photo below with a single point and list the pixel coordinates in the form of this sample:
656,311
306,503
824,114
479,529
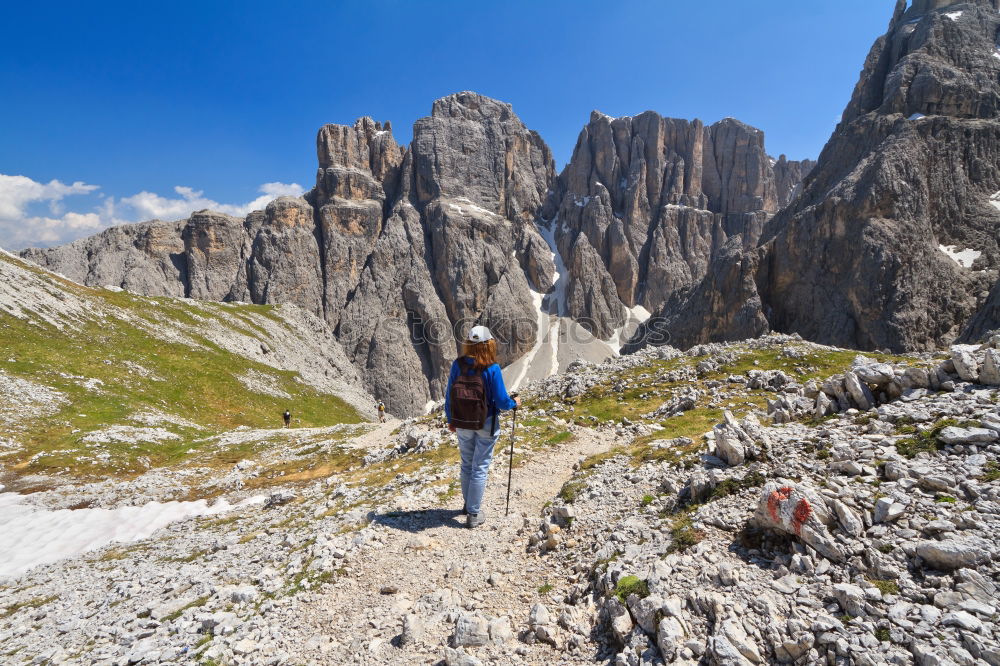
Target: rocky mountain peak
469,105
396,247
936,59
892,241
647,201
476,148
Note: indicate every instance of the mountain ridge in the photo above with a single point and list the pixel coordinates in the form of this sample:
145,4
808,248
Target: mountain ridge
864,257
398,248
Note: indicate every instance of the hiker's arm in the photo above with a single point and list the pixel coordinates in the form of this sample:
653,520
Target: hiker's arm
499,392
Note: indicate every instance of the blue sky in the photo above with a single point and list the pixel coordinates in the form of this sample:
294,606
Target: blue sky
111,107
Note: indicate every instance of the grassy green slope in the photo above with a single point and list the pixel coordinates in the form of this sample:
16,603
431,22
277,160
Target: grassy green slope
140,373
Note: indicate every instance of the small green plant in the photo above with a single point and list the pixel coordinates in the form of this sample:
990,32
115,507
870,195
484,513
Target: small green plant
629,585
191,557
647,500
683,534
560,437
882,635
945,499
885,586
200,601
31,603
732,486
991,472
845,619
886,548
545,589
571,490
926,441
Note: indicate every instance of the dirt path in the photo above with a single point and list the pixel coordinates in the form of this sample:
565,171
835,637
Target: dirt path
440,568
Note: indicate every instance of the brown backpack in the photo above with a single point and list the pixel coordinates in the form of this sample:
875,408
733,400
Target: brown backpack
468,397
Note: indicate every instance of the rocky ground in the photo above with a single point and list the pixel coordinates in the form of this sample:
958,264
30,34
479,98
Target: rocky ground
864,537
659,516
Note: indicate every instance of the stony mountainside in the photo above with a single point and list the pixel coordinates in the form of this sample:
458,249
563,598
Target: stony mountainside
646,202
771,501
397,247
103,384
892,241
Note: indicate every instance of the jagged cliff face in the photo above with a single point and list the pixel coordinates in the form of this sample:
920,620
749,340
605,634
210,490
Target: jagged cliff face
865,256
647,201
394,247
397,248
451,251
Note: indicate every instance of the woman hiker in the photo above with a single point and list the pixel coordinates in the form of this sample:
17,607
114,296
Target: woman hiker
475,395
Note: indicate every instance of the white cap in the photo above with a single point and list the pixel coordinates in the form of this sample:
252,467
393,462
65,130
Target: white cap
480,334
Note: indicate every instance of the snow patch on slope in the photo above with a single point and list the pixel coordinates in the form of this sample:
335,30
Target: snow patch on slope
549,308
636,317
35,536
964,258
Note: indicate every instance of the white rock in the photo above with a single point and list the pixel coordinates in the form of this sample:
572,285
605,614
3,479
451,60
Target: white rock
669,635
737,636
990,374
965,364
954,552
796,509
954,435
851,598
413,629
471,630
454,657
245,646
725,653
499,630
886,511
621,621
849,521
875,373
728,444
539,615
962,619
860,392
645,610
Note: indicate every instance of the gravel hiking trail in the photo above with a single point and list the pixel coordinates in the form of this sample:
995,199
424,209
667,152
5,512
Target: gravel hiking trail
424,562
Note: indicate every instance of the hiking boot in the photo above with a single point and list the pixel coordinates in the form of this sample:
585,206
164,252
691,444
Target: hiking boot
475,519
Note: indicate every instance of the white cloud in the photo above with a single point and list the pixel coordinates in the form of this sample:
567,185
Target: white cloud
18,192
23,226
148,206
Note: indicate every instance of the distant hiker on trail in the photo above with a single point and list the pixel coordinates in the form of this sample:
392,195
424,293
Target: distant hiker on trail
476,393
381,411
288,418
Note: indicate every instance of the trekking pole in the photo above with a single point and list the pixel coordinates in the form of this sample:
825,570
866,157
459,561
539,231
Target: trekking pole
510,468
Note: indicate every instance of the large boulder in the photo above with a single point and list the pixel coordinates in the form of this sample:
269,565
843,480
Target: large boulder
798,510
955,552
966,364
990,373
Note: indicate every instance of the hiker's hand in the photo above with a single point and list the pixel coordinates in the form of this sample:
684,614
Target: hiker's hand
451,428
517,401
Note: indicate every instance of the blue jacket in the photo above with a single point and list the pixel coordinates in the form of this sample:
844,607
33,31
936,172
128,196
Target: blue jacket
496,395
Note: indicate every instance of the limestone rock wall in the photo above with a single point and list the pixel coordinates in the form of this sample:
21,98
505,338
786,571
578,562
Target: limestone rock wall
647,201
892,240
399,249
